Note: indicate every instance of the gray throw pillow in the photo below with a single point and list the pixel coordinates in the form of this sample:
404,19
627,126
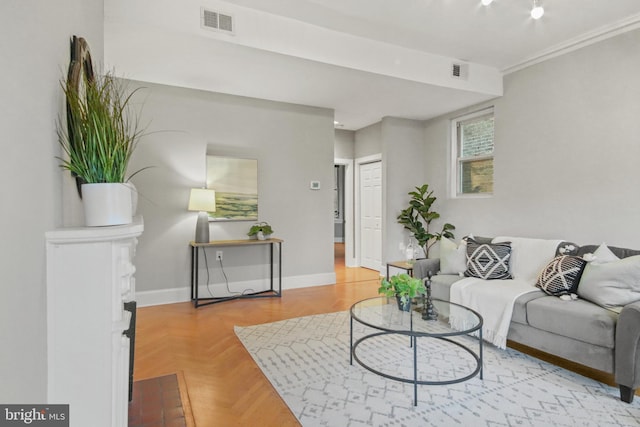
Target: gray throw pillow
611,285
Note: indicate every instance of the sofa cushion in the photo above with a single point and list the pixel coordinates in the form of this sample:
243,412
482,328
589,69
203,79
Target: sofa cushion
613,284
576,319
520,306
561,276
488,261
441,285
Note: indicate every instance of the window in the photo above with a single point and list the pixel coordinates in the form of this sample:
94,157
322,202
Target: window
472,145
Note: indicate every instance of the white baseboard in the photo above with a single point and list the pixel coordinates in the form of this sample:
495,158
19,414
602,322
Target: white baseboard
175,295
163,296
350,262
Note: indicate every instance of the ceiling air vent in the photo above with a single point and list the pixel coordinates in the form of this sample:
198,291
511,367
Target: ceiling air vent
216,21
460,71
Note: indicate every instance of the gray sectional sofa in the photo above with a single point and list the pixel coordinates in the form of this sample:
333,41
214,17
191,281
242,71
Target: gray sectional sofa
577,330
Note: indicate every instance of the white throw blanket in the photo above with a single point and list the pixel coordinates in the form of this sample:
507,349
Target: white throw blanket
493,300
529,256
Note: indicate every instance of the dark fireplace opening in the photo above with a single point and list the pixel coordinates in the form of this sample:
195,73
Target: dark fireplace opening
130,333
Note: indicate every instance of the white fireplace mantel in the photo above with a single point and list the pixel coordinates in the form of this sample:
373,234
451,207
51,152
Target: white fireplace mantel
90,274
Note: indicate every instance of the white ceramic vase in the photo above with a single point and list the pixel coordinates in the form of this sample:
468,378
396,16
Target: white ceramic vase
106,204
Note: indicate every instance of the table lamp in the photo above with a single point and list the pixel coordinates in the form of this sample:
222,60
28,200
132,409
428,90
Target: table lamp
202,200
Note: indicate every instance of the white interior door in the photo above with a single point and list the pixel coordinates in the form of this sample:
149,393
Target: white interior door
371,215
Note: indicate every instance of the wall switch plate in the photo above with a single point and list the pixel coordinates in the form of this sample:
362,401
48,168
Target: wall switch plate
219,255
315,185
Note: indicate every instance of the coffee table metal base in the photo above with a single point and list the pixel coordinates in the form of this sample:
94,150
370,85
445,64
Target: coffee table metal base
412,342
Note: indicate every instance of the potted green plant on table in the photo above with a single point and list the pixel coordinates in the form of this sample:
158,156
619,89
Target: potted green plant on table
98,140
261,231
403,287
418,216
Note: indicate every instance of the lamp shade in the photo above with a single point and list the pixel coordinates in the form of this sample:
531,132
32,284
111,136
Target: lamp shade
202,200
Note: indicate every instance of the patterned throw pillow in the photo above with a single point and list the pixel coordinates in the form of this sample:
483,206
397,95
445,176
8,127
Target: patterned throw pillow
488,261
562,275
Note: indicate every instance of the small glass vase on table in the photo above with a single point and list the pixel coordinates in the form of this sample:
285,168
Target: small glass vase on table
410,251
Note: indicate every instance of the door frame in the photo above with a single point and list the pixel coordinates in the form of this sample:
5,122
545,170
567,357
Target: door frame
356,202
349,201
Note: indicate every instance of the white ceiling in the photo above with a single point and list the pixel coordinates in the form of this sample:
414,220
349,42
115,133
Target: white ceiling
366,59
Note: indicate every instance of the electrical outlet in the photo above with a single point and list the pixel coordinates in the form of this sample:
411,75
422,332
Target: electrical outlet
219,255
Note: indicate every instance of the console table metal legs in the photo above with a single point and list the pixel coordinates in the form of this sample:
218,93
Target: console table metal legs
268,293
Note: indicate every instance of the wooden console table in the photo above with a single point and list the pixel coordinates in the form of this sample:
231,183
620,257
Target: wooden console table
402,265
269,293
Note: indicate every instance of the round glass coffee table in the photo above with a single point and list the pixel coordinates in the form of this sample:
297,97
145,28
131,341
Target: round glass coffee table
385,321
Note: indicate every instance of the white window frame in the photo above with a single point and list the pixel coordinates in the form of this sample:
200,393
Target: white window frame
455,160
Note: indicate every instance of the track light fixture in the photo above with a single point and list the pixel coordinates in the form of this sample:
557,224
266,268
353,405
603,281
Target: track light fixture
537,11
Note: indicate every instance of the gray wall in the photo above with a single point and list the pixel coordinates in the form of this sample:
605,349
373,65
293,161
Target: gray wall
35,54
400,143
566,151
344,144
402,170
368,141
293,144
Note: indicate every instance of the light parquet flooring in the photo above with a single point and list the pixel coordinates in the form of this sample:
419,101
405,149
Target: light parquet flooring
224,385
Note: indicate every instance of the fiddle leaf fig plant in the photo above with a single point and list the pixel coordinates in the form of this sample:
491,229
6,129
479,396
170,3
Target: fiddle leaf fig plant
418,216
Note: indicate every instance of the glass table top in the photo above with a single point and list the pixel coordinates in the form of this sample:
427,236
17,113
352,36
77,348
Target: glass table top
383,313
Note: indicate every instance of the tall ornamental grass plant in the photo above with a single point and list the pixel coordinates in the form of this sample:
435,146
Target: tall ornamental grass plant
102,130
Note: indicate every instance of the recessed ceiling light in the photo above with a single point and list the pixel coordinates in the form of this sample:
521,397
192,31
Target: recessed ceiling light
486,2
537,11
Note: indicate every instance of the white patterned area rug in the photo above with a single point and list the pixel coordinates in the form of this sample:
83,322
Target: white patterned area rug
307,361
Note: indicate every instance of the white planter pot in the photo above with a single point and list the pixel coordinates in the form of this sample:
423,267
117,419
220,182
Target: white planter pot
106,204
134,197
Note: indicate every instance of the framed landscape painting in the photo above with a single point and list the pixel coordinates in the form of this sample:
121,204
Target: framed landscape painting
235,182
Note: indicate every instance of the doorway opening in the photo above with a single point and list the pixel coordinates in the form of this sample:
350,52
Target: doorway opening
338,203
346,274
343,211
